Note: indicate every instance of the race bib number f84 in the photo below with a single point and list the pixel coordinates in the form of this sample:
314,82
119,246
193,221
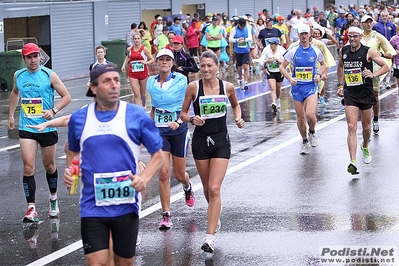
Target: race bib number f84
113,188
137,66
304,74
353,77
213,106
32,107
163,117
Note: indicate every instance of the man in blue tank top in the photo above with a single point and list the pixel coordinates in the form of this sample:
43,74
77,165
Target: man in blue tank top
304,59
107,135
35,85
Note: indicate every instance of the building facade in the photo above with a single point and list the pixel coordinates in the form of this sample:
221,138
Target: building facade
68,30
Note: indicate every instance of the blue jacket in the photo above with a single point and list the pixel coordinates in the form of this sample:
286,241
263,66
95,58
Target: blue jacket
386,29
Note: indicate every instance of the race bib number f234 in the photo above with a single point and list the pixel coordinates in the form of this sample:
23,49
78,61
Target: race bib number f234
213,106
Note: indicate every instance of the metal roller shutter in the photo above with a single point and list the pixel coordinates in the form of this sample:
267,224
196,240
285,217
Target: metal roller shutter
244,7
72,39
155,4
216,6
120,16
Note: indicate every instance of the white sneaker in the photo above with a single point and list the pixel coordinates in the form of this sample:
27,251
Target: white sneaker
54,211
274,106
241,83
376,128
209,244
313,139
366,154
305,148
278,103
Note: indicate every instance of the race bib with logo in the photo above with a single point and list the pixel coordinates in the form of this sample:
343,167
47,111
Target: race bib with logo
32,107
353,77
304,74
113,188
163,117
137,66
242,45
213,106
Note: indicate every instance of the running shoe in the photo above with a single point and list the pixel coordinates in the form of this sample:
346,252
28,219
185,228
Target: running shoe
352,169
31,216
241,83
313,139
322,102
209,244
366,154
387,85
376,128
54,228
31,234
274,106
190,199
245,86
278,103
264,80
54,211
305,148
166,222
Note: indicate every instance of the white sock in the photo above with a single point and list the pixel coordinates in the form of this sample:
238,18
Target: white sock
53,197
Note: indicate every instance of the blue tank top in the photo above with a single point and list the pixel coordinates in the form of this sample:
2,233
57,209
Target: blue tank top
168,101
109,142
37,95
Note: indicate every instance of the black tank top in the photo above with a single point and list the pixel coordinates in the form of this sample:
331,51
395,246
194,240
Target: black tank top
214,125
356,86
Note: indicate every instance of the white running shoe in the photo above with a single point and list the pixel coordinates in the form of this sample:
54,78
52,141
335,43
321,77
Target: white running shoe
366,154
313,139
209,244
305,148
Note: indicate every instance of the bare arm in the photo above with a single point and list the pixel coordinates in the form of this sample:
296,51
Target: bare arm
373,55
58,122
340,74
139,182
59,86
149,56
231,94
125,61
14,97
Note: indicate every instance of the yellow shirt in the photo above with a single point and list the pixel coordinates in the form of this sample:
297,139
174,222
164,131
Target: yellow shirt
283,29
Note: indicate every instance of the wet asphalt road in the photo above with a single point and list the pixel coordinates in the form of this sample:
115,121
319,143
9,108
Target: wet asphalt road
279,208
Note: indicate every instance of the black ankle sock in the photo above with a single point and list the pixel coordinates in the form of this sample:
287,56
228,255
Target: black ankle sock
305,141
312,131
375,118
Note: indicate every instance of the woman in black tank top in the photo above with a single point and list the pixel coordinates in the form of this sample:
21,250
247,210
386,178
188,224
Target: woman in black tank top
211,144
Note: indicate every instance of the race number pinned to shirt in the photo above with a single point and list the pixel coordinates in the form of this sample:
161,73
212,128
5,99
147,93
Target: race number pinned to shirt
304,74
32,107
353,77
213,106
113,188
163,117
137,66
242,45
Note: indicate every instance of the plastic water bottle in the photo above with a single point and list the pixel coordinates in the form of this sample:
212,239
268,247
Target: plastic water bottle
75,170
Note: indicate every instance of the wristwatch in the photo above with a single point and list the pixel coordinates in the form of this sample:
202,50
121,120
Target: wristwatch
55,110
192,120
